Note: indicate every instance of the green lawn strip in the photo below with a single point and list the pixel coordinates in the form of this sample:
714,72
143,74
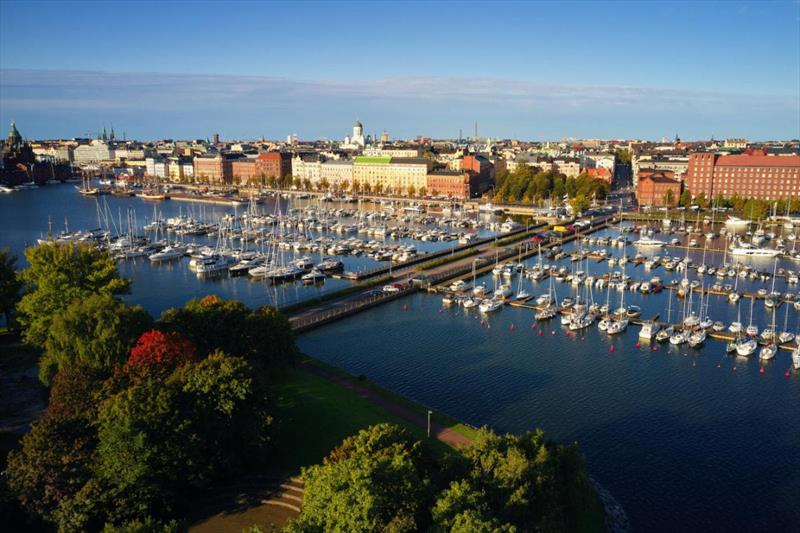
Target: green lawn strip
316,415
440,418
305,304
446,259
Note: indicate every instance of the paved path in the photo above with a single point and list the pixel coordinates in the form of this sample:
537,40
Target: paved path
442,433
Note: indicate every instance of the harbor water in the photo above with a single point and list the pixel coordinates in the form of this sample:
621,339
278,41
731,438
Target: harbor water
686,439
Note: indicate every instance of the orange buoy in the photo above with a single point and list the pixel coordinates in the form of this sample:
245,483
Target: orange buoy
655,348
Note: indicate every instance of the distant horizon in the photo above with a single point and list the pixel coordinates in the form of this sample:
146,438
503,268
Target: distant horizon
535,70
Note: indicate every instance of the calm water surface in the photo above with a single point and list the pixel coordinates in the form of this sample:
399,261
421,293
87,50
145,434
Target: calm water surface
687,440
25,215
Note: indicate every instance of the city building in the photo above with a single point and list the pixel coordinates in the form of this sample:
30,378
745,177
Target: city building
337,173
658,188
95,152
306,167
391,174
212,168
600,173
357,140
274,164
766,177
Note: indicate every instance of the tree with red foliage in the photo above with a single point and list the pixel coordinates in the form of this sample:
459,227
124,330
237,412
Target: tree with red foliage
157,351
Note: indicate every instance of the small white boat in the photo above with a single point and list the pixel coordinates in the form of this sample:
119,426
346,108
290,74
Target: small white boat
617,326
697,337
746,347
767,352
796,358
489,305
679,337
664,334
649,330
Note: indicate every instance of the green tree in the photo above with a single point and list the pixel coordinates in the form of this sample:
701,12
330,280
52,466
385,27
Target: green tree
56,455
375,481
701,200
526,481
262,336
411,190
307,184
423,192
97,332
10,284
58,275
669,197
686,198
579,203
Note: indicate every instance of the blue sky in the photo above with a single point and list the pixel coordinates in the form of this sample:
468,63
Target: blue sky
533,70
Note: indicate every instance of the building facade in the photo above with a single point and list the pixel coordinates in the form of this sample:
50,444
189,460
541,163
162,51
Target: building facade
337,173
764,177
391,174
274,164
658,188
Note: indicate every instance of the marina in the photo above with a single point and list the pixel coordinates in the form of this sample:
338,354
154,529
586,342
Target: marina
503,366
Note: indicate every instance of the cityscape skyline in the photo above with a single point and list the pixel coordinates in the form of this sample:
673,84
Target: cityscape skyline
527,71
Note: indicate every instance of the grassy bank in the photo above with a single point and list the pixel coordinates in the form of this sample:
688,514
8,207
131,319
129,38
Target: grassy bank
305,304
446,259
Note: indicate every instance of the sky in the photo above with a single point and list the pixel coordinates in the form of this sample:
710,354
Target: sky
527,70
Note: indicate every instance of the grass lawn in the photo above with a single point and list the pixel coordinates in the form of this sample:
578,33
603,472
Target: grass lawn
316,415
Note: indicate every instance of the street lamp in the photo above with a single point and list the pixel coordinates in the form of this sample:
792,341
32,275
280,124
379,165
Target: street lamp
429,423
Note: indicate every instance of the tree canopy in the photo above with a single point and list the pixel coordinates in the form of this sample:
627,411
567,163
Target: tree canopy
10,284
59,274
527,184
97,332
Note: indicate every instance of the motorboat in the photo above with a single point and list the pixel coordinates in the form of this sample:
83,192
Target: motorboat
746,346
166,254
679,337
314,276
647,242
649,330
469,303
545,314
664,334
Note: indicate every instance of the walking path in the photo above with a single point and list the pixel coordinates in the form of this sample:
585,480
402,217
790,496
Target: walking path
442,433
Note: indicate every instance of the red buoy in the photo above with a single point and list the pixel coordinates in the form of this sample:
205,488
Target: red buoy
638,345
655,348
786,374
540,333
761,370
405,307
611,350
512,327
566,333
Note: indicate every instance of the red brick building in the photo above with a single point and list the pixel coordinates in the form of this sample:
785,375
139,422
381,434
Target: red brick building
766,177
600,173
653,186
212,169
244,172
481,174
274,164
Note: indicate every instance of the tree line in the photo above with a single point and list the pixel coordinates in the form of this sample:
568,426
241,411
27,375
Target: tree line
527,184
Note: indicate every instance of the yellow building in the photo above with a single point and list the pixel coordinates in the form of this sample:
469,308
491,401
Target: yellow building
391,174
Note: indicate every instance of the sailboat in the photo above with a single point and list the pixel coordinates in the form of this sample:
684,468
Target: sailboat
786,335
752,330
549,311
770,349
620,321
522,294
664,334
746,346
